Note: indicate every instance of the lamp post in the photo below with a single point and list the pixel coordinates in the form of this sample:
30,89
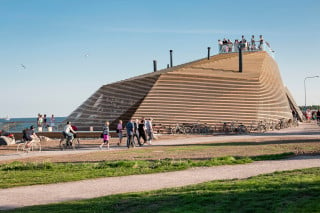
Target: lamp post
305,91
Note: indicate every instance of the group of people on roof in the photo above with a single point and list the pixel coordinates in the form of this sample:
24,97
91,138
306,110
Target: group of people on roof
226,45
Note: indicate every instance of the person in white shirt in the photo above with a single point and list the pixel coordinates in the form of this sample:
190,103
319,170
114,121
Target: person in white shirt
68,131
149,130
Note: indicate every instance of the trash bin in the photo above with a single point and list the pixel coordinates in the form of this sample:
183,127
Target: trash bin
91,128
39,129
49,128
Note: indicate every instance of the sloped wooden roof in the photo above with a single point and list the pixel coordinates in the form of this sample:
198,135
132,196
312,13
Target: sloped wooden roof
207,91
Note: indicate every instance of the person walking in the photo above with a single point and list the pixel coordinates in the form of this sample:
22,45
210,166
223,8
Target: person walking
105,134
130,129
149,130
318,116
119,131
142,132
136,132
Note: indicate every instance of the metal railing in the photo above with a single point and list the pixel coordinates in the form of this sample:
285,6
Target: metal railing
18,126
246,47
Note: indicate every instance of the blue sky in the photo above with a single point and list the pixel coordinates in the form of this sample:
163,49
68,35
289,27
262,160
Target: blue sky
71,48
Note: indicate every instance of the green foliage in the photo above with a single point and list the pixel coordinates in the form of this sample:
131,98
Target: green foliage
291,191
21,174
273,157
311,107
15,166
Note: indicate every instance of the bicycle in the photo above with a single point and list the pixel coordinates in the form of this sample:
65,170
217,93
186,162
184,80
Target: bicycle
242,128
180,129
34,145
261,127
66,142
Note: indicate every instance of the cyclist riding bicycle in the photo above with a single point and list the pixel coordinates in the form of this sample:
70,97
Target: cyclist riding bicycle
68,132
29,135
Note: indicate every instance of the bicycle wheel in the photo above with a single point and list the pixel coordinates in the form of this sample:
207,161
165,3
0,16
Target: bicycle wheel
76,143
242,129
187,130
62,144
195,130
262,128
36,147
21,148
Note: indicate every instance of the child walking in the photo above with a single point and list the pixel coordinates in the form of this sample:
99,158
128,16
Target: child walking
105,134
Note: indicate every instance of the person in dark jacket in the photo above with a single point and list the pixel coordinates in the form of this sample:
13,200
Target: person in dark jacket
142,131
130,129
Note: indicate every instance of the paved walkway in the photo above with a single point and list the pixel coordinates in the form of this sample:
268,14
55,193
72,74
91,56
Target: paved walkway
306,131
52,193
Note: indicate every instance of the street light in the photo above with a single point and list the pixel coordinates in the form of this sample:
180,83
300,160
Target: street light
305,92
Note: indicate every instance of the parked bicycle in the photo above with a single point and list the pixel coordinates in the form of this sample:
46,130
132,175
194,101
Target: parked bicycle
180,129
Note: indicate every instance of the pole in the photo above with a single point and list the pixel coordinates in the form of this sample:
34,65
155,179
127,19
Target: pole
240,58
305,95
208,53
154,65
171,58
305,90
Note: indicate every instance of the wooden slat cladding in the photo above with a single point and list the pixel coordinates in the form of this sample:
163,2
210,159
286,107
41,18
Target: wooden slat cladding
213,92
207,91
112,102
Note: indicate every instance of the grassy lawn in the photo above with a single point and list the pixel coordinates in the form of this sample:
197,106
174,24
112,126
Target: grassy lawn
292,191
27,173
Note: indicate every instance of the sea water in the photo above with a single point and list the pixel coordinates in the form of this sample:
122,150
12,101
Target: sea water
18,124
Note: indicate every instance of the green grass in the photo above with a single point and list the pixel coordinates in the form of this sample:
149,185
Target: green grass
23,174
291,191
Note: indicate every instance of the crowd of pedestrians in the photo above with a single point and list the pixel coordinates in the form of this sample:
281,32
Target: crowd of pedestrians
226,45
137,132
312,115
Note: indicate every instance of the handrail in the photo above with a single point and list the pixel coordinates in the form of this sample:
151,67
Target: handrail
246,47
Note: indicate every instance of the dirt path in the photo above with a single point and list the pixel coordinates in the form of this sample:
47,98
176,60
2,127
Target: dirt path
52,193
